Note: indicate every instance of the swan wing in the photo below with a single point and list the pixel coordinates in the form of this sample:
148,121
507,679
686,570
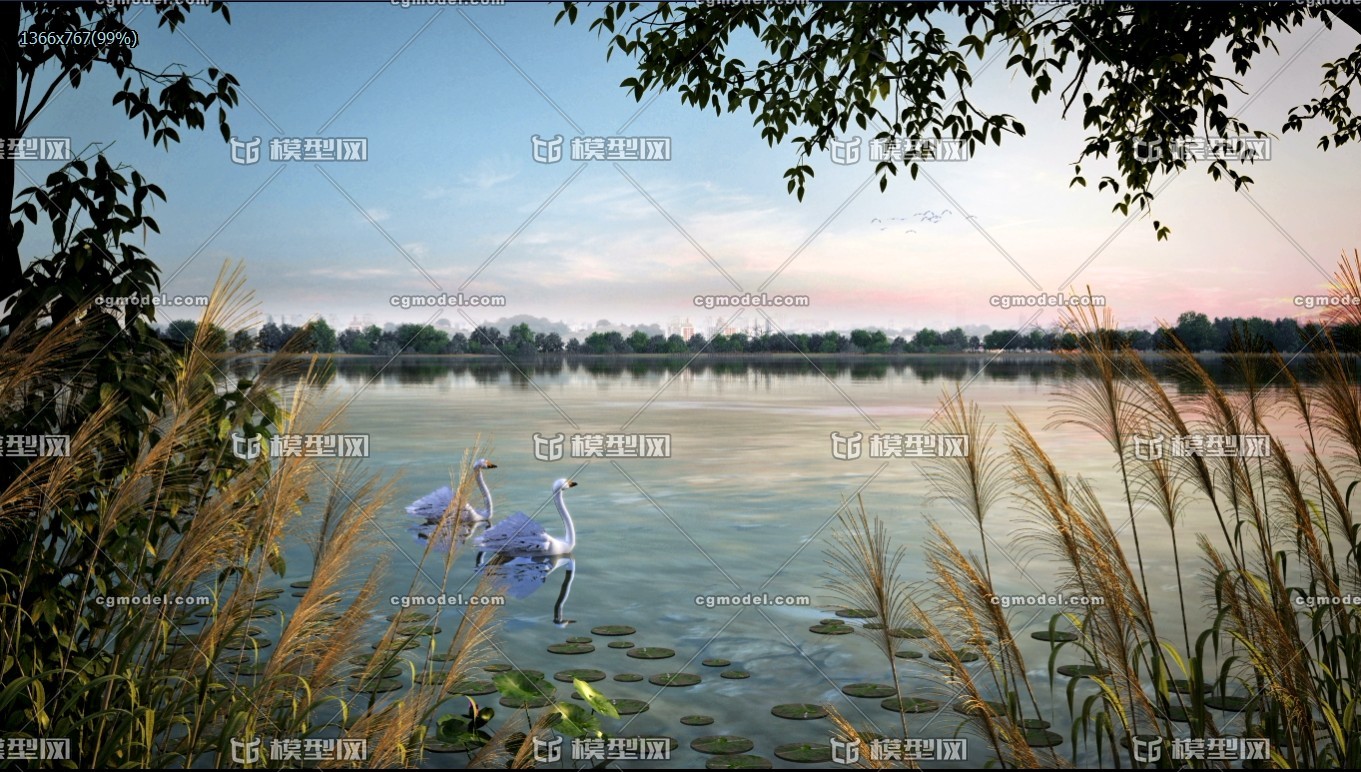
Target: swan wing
517,533
432,506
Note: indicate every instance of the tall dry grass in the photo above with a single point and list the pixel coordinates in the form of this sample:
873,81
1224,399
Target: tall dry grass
1253,653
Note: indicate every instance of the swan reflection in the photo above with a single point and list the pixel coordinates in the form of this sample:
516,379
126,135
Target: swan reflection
520,576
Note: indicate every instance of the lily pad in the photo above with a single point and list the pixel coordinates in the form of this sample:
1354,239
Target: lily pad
434,746
907,654
627,678
498,667
472,687
571,648
628,707
613,630
804,753
301,585
964,655
409,616
799,711
586,674
269,593
620,644
1057,636
250,668
397,644
872,691
524,702
1042,738
1183,686
651,652
716,662
379,685
873,626
722,744
910,705
737,761
674,679
831,621
1231,702
579,639
431,677
391,672
697,720
442,656
856,613
831,629
418,629
735,674
1175,713
1035,723
1084,671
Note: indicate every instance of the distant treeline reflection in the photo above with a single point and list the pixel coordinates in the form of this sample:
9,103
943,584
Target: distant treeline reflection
1038,369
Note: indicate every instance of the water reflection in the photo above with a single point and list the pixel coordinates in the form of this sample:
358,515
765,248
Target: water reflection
415,371
520,576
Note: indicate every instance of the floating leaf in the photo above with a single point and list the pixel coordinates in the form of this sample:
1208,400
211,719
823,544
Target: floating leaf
1055,636
908,632
721,744
571,648
856,613
576,721
908,654
621,644
627,677
674,679
497,667
872,691
409,616
377,685
627,707
613,630
524,702
651,652
578,639
584,673
910,705
473,687
716,662
737,761
697,720
831,629
735,674
804,753
1042,738
799,711
1084,671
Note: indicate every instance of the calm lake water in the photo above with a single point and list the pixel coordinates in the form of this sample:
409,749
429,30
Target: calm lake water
744,504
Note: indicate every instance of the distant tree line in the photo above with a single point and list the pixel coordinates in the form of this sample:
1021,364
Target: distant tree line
1196,330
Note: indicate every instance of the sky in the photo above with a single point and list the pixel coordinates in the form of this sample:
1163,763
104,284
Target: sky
451,198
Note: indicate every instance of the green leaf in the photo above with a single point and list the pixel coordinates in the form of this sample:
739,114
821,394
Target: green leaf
594,698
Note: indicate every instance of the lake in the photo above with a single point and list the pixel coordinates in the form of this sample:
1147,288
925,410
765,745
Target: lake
744,503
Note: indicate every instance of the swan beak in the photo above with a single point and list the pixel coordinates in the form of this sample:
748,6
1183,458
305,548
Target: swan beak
490,465
571,483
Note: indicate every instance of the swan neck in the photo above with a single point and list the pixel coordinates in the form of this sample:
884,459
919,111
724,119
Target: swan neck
486,491
571,535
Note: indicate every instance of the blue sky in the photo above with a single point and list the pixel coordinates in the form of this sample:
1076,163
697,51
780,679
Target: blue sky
449,97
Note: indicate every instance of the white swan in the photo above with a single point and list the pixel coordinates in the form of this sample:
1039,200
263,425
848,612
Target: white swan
520,535
433,506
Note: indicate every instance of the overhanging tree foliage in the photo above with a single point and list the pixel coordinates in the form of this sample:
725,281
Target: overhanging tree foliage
1142,74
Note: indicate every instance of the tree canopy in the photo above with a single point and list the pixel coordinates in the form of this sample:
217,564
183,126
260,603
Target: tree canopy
1143,74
